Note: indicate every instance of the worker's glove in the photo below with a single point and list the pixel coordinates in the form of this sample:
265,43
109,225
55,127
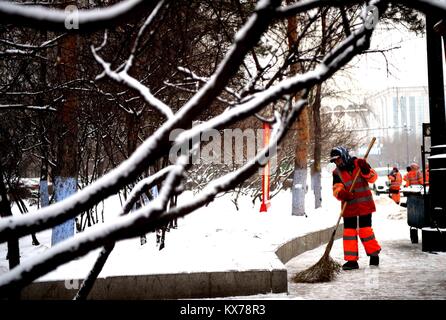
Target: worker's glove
364,166
345,195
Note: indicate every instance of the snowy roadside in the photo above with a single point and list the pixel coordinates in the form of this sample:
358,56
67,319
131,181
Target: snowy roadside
214,238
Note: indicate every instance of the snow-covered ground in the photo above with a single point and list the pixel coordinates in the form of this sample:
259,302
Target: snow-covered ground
216,237
220,238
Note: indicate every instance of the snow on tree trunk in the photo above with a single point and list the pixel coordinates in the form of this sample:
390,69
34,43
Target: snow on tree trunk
316,185
298,192
300,164
64,187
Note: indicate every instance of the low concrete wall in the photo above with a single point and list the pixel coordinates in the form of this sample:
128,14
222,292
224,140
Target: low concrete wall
166,286
272,278
310,241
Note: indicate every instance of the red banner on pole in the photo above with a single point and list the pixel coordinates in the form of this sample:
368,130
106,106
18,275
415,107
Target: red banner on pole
266,172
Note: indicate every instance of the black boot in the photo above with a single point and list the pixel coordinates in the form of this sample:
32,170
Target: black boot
350,265
374,260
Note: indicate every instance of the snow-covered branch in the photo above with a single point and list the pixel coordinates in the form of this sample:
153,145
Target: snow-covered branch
142,186
146,24
426,6
142,220
437,7
183,87
26,107
155,145
124,78
332,62
44,45
49,107
231,180
15,52
128,226
202,80
55,19
103,187
306,5
137,191
125,227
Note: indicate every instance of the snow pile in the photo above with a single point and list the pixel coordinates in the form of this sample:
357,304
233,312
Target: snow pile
392,210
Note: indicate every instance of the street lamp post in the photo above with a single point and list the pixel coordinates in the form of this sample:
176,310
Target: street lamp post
406,129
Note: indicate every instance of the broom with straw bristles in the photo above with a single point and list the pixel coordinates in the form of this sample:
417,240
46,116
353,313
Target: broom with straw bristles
326,268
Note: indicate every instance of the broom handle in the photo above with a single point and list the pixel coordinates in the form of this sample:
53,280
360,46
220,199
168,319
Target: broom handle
353,183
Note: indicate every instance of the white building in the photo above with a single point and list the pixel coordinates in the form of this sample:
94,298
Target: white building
394,116
398,109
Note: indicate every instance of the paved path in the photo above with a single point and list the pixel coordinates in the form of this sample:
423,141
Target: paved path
405,272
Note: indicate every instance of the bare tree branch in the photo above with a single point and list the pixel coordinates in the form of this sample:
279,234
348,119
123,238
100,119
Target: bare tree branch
89,20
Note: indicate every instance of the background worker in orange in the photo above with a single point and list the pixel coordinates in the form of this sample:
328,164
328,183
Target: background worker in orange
426,174
406,177
359,208
395,184
414,176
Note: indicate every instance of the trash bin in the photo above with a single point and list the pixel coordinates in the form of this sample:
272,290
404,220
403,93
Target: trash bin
416,216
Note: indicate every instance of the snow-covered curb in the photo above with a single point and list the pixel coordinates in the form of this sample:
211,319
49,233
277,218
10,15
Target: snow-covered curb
240,252
270,276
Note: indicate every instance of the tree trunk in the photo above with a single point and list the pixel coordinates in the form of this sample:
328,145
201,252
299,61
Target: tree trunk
65,180
24,210
316,167
300,164
317,152
13,254
302,131
132,124
43,183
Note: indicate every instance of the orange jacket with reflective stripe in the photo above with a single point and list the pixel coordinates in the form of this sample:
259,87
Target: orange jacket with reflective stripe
414,177
395,181
362,203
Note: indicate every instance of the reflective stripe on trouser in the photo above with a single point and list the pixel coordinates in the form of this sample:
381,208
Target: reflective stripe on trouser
350,241
371,246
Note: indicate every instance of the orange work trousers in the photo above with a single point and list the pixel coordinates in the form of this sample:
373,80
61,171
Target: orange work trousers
395,195
366,234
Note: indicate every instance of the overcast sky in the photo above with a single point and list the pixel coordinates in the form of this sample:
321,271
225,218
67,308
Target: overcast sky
406,65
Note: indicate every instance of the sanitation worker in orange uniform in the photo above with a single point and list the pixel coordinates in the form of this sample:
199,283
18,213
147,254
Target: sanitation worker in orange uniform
395,184
360,206
414,176
406,177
